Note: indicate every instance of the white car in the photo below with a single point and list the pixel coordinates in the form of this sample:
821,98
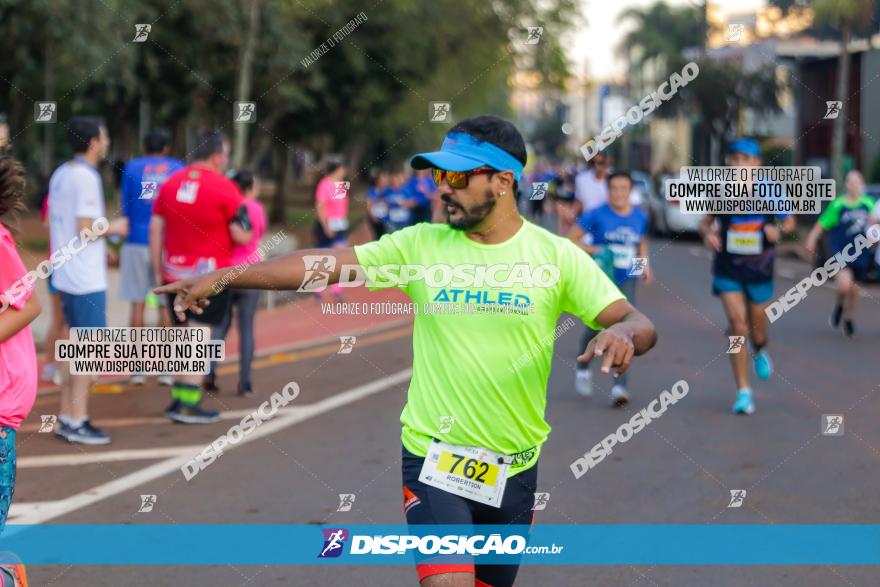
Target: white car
666,216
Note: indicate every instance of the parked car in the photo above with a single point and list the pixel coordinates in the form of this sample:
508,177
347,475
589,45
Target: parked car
665,216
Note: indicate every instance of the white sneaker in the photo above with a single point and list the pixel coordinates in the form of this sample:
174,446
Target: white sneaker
166,380
137,380
583,382
619,396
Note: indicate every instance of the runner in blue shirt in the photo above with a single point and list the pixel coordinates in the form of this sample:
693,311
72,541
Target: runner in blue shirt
377,206
742,276
141,180
616,231
422,188
400,202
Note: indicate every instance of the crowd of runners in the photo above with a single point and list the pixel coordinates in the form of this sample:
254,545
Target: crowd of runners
192,232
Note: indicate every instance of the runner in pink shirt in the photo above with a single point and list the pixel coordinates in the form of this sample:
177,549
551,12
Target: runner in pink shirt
18,357
331,210
244,302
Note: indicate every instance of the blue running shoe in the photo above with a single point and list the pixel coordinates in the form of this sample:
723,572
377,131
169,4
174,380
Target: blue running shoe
763,365
744,403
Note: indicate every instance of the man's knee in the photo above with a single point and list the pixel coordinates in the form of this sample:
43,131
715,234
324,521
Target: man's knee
738,326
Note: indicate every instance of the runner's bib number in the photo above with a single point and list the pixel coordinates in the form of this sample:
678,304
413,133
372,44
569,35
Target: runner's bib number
745,242
623,255
399,215
337,224
468,471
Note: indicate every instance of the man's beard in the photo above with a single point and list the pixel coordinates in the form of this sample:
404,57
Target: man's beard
472,217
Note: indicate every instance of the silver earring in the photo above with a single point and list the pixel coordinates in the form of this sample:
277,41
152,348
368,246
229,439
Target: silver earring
501,193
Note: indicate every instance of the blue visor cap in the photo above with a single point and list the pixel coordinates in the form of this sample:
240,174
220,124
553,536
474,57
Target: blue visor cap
462,152
746,147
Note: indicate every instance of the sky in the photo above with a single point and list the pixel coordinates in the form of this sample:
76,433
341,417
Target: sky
594,46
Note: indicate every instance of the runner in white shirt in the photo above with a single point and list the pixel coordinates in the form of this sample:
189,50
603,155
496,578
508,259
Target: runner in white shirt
591,185
76,215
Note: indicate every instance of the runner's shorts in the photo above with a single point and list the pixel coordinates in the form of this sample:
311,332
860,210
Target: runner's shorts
136,273
85,310
756,293
424,504
213,315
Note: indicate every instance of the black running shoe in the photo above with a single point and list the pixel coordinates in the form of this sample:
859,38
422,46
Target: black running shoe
85,433
836,315
191,414
209,385
848,328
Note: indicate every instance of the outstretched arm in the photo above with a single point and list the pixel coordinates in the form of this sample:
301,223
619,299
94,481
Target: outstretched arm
285,272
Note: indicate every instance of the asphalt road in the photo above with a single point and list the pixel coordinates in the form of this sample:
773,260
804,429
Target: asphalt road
680,469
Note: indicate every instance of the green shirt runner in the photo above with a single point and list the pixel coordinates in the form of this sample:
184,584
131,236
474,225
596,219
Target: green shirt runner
488,370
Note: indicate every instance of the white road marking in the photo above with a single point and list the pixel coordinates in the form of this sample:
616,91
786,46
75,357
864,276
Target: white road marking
40,512
113,456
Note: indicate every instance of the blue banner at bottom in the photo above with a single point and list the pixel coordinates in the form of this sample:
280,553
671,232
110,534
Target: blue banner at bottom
648,544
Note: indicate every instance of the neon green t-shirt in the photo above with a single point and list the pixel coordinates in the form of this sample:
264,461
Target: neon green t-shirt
830,218
480,379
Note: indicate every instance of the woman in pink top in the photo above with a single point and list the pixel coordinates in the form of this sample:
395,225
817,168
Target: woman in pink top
331,211
245,300
18,308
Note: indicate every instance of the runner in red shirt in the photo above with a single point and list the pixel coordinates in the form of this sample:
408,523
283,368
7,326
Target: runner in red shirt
197,217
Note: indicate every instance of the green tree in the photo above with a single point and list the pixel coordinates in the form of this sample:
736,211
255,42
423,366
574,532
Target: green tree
661,32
